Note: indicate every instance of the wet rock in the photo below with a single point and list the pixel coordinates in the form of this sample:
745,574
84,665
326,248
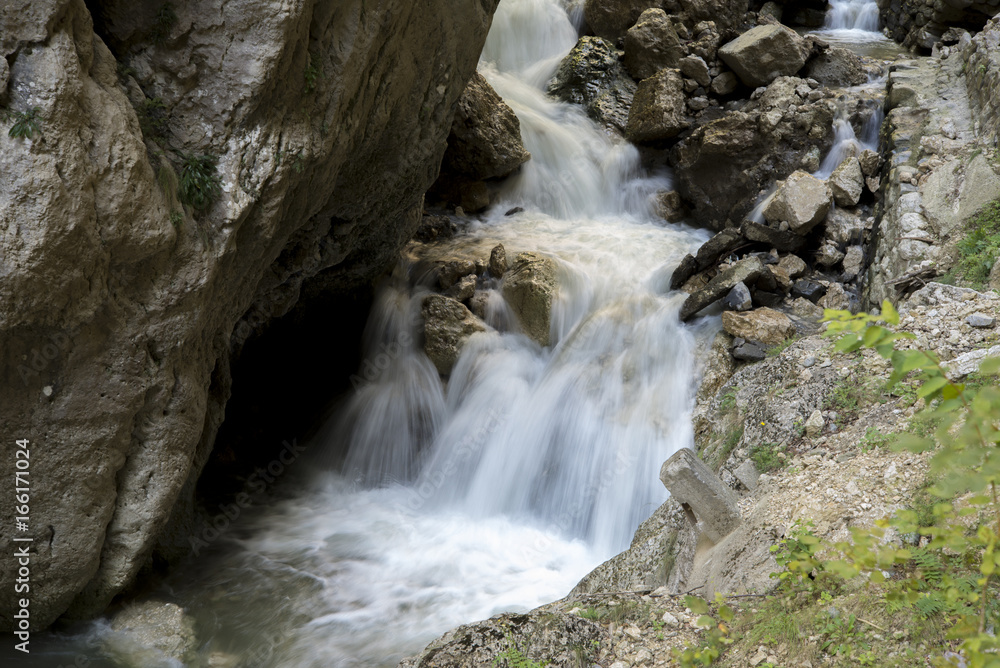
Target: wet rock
669,206
847,182
811,290
450,272
4,76
771,9
515,210
722,165
712,16
435,227
694,67
738,298
762,54
554,638
763,324
749,351
447,326
151,633
687,268
828,255
529,287
853,259
724,84
591,75
745,271
485,140
805,309
870,162
464,289
658,108
498,261
793,265
802,201
651,45
980,320
837,67
783,240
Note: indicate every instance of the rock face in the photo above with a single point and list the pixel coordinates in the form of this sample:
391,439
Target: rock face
802,201
652,44
529,287
982,67
658,108
120,309
763,324
447,326
152,633
591,75
920,23
762,54
485,140
722,165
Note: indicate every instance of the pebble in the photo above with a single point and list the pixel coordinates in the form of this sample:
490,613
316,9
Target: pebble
980,320
809,361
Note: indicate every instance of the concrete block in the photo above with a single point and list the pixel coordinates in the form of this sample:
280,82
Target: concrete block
704,497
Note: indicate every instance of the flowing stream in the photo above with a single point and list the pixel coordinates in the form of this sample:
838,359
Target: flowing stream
498,490
852,21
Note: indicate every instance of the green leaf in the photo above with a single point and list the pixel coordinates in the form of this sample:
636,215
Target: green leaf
889,313
848,343
990,366
697,605
726,613
930,387
705,622
872,335
913,443
913,359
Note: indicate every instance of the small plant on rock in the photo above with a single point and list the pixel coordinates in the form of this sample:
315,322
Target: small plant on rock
199,182
26,124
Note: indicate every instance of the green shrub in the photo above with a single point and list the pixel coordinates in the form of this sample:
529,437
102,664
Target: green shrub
312,73
166,19
152,117
766,457
979,250
199,182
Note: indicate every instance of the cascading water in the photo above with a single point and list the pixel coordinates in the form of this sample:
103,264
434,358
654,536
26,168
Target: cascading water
532,466
852,21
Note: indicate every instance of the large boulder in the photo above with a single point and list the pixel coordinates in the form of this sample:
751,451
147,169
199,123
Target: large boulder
122,311
837,67
763,324
530,286
762,54
485,140
611,19
746,271
727,15
802,201
847,182
652,44
657,111
448,324
722,165
152,633
592,76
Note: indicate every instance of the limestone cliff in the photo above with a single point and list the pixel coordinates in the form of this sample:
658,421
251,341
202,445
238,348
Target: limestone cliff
119,306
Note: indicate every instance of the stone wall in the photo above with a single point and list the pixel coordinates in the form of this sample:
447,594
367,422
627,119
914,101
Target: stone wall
920,23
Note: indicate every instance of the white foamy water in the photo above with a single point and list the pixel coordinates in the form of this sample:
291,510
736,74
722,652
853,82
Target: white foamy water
852,21
499,490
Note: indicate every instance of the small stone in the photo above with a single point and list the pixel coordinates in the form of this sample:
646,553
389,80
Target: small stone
814,425
498,261
828,255
749,352
464,289
747,474
890,472
738,298
669,619
695,68
515,210
47,390
793,265
980,320
807,289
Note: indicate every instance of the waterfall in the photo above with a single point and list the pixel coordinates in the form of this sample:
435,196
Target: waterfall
860,16
500,489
